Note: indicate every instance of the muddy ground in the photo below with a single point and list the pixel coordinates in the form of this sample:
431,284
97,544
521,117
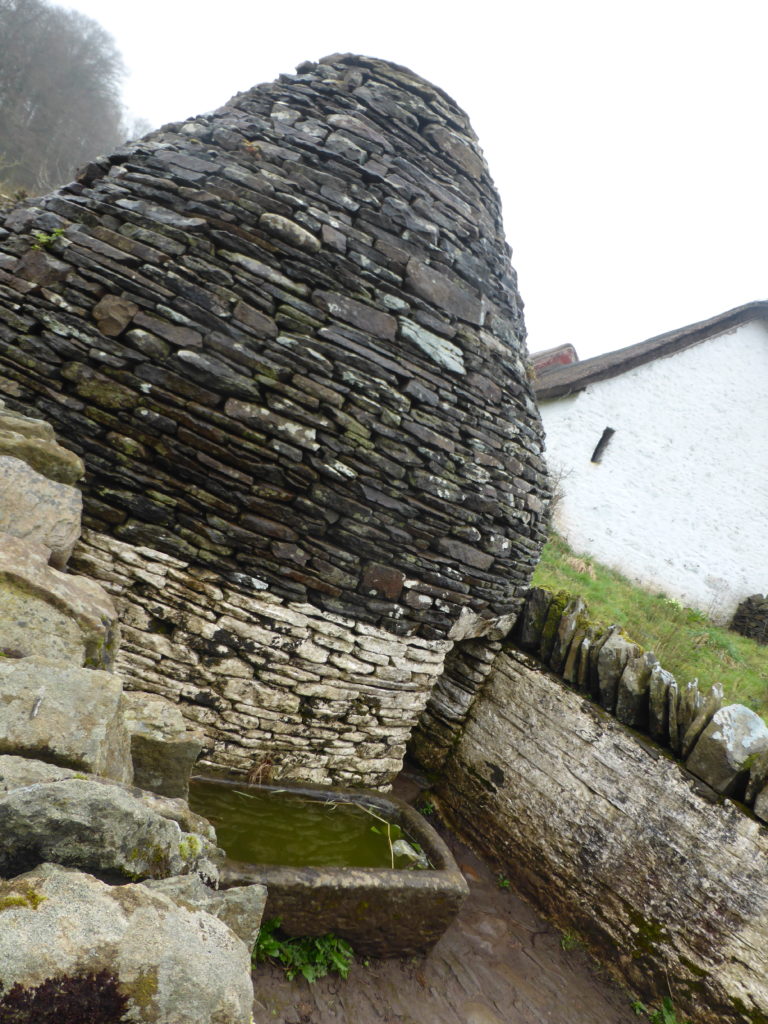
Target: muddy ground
498,963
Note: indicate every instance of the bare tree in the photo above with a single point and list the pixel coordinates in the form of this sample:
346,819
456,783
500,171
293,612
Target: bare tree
60,75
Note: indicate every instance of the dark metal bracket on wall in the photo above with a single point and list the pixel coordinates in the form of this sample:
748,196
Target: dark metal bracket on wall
602,444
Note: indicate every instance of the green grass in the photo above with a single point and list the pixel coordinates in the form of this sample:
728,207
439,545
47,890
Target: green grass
686,643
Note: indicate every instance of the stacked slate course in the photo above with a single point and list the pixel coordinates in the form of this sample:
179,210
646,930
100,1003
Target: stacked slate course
286,340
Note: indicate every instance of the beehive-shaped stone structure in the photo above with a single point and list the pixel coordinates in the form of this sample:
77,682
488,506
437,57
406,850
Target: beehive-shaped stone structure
286,340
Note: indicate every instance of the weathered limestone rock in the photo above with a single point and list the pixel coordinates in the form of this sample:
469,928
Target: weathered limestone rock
162,749
69,716
727,747
573,612
761,804
710,703
172,962
33,442
758,777
38,509
658,703
240,908
615,843
97,827
20,772
48,613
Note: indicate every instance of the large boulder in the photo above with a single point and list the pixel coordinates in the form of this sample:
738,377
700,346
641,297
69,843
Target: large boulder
99,827
69,941
39,509
21,772
69,716
52,614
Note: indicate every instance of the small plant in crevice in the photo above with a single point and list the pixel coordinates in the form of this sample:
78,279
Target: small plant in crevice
44,240
503,882
665,1014
310,956
569,940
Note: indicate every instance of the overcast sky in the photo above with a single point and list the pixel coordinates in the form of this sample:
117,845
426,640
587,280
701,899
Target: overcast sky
627,139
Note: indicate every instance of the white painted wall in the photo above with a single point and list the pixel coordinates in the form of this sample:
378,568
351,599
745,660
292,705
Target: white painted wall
679,501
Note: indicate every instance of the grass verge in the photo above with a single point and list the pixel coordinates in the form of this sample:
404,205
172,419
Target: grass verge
686,643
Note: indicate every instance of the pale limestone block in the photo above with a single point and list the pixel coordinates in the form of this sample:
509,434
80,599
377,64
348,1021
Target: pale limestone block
36,508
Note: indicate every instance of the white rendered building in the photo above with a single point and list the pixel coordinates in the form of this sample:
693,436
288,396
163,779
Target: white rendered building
661,453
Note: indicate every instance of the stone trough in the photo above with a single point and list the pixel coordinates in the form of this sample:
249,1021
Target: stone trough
380,911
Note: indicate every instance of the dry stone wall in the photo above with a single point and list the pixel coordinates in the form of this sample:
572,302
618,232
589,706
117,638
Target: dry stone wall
278,688
751,618
655,863
616,842
286,339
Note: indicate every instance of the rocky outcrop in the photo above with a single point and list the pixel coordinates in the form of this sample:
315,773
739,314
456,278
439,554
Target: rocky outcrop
128,947
52,614
100,828
68,721
287,339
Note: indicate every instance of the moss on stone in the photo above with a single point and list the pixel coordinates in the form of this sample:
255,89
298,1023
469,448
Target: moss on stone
143,991
649,935
25,897
554,615
190,847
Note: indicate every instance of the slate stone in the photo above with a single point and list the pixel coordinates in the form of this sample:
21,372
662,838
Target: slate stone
447,294
382,580
572,613
632,698
113,314
658,703
530,623
611,661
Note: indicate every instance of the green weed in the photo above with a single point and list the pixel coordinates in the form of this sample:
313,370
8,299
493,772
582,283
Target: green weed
665,1014
312,957
45,241
503,882
569,940
683,639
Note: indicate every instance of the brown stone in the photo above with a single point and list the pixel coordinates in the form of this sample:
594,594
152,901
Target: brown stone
113,314
383,581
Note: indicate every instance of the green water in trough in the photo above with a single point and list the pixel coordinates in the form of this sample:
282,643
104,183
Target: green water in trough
273,826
